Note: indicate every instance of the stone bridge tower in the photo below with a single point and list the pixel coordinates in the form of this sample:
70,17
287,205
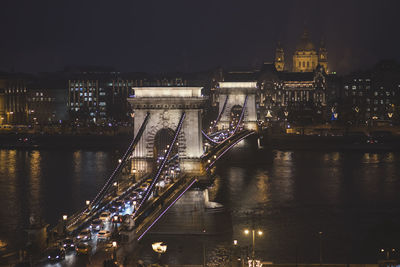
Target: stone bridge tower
166,105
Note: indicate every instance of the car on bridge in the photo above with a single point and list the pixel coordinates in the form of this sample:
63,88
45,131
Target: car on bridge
103,235
127,201
68,244
105,216
117,218
96,225
84,235
83,248
117,205
55,254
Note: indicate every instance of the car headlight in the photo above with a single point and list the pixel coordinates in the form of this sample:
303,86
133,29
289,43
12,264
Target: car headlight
48,257
57,257
72,245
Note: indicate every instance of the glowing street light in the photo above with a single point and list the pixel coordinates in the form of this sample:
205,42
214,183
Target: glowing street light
253,231
64,217
114,244
160,248
87,202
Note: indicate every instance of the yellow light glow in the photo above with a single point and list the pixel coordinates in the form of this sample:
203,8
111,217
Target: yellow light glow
246,231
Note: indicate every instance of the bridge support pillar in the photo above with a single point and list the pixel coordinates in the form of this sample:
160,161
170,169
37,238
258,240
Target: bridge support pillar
192,166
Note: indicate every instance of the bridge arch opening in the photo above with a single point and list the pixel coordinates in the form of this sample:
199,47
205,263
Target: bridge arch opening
162,141
235,115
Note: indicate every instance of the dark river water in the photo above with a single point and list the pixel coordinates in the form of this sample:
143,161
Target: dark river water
352,197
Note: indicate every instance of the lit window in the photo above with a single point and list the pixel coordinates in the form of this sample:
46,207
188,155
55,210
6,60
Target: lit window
102,104
375,93
354,87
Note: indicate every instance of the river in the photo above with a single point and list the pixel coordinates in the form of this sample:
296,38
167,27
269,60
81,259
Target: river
351,197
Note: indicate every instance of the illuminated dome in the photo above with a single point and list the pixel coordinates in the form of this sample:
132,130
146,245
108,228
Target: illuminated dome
305,44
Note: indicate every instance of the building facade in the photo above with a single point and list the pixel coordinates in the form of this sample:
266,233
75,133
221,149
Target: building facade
306,58
373,95
295,96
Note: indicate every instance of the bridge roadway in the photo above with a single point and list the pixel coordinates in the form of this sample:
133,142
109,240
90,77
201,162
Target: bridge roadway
129,234
153,209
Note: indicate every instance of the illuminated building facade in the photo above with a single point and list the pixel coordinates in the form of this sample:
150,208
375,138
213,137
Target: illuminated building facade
15,100
297,95
373,95
306,58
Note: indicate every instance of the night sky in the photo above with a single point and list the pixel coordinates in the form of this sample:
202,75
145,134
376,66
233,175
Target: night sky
189,35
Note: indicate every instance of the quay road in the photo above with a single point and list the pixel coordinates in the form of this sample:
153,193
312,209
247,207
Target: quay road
125,236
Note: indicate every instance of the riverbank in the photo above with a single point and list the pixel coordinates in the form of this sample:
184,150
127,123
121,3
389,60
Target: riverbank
345,142
43,141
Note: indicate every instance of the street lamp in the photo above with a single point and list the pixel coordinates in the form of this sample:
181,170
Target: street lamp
320,247
160,248
253,231
387,252
64,223
114,244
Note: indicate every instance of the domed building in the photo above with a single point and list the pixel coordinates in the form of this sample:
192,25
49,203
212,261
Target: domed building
305,57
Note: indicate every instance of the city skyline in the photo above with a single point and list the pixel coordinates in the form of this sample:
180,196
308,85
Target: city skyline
179,36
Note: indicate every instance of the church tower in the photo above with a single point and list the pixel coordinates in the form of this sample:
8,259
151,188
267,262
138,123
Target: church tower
323,56
279,58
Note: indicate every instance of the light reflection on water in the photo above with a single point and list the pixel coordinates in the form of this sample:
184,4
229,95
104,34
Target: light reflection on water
47,184
352,197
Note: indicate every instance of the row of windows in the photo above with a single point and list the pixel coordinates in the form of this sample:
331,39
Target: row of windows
42,99
304,63
15,90
166,106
